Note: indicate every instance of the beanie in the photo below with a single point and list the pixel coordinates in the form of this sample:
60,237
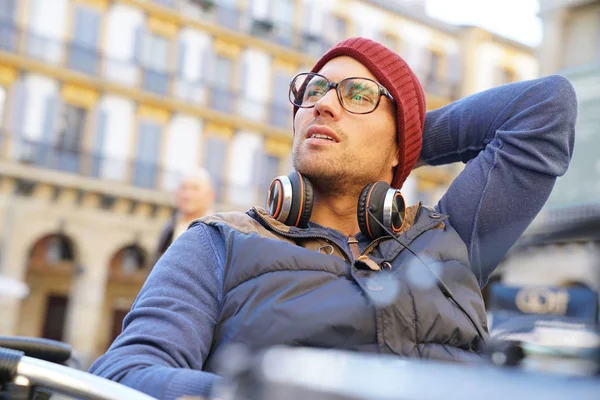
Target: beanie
395,75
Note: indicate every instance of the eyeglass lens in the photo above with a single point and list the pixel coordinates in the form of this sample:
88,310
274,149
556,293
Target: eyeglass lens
359,95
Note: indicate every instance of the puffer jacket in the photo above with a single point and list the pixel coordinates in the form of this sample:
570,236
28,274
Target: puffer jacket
285,285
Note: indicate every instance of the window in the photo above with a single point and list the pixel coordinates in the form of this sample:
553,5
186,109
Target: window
432,74
222,98
147,153
55,317
281,109
73,127
165,3
339,29
391,41
227,14
3,133
267,168
223,71
454,75
46,20
70,137
283,14
8,10
8,30
154,54
98,157
215,155
83,54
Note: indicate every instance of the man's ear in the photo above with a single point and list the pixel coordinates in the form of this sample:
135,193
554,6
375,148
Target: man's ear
396,160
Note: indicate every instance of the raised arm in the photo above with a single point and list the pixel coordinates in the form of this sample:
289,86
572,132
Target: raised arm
516,140
168,333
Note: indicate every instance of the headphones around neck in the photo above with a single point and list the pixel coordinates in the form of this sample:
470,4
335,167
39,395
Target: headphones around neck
290,201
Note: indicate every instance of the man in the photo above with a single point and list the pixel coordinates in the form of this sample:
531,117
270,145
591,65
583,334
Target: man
194,199
322,277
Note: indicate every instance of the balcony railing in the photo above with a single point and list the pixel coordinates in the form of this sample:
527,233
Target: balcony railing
242,20
40,153
21,149
129,72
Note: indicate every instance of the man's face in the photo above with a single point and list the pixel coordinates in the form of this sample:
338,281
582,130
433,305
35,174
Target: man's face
193,195
364,148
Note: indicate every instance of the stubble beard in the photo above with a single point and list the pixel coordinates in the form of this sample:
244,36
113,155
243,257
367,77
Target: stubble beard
331,175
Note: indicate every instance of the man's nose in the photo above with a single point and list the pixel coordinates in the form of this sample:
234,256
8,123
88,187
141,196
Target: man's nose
328,105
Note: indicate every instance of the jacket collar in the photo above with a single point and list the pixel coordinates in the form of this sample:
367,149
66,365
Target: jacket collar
417,219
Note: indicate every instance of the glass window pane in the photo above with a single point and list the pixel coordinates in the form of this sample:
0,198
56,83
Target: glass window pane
223,72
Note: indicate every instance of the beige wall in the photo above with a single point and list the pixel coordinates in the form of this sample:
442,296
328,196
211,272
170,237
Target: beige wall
96,235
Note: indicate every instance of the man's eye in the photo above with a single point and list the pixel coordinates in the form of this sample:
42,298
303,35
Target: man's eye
314,91
362,98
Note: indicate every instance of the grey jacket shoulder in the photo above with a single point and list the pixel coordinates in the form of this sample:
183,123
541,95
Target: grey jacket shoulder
237,220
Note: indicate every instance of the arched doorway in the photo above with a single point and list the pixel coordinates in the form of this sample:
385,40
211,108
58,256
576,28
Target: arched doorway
128,269
50,269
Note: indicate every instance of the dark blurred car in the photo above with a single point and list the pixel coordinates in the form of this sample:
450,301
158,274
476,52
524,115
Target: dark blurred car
552,271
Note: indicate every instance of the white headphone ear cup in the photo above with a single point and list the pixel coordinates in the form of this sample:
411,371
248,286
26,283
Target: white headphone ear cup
279,198
394,208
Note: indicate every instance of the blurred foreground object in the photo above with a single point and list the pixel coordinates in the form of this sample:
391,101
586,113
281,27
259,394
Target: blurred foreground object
302,373
30,368
13,289
545,338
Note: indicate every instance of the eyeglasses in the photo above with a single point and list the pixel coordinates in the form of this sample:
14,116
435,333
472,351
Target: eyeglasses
356,95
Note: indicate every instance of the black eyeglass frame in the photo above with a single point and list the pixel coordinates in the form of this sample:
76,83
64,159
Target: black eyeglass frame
335,85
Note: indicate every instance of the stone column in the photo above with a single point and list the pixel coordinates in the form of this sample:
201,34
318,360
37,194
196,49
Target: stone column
17,239
15,262
87,297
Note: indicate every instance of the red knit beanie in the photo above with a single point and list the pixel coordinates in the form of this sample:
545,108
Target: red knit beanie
396,76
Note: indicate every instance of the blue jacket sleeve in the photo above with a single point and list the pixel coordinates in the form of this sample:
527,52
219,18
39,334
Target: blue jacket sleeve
515,139
167,335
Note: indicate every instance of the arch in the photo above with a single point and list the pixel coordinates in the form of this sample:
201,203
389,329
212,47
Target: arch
51,253
51,264
130,260
128,269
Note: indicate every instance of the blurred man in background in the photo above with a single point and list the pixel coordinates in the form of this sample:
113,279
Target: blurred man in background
194,199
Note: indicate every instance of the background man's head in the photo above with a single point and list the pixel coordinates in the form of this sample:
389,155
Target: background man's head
195,193
382,145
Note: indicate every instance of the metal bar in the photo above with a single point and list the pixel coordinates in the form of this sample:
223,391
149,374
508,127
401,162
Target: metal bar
73,382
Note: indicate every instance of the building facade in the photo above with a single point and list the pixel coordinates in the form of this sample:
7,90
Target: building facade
104,103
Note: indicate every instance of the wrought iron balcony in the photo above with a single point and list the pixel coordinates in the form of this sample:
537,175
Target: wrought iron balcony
131,73
23,149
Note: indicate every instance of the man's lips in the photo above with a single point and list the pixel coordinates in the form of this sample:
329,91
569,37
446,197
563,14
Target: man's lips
322,130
